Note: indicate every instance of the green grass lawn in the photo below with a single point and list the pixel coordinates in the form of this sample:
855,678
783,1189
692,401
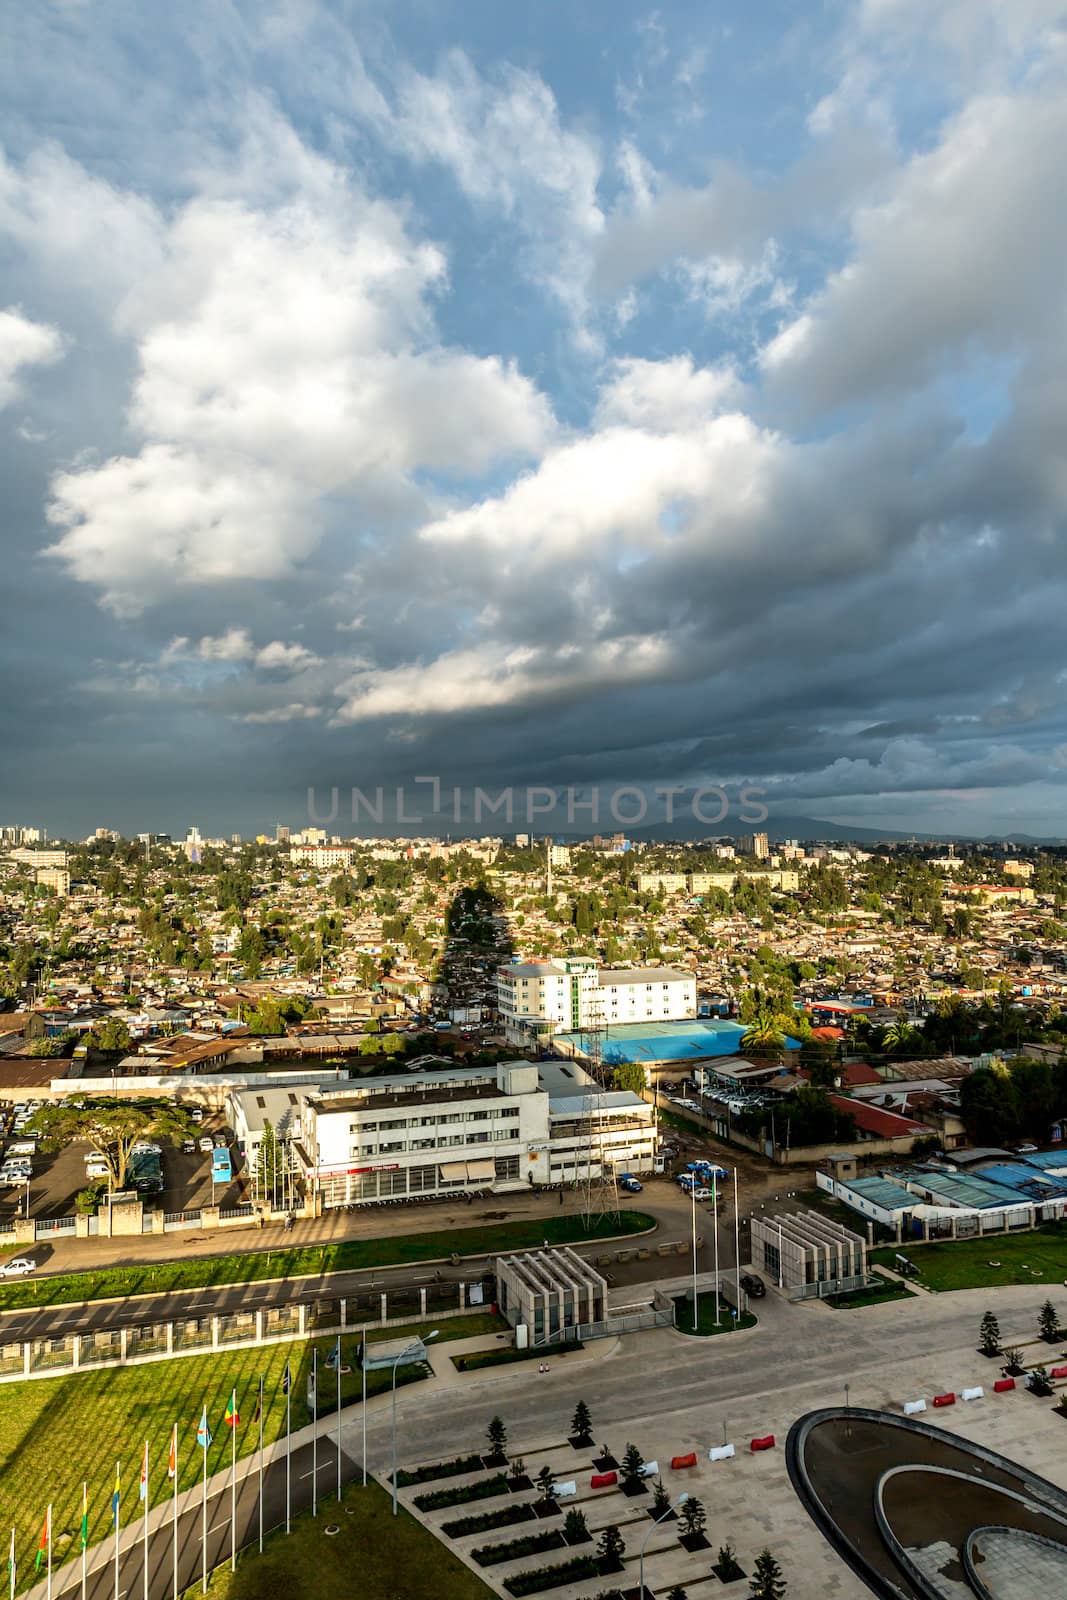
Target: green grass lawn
55,1432
873,1295
706,1326
250,1266
476,1359
1036,1257
375,1555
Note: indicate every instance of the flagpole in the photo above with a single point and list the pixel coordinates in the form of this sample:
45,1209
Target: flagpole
49,1553
261,1465
144,1489
203,1516
338,1419
85,1531
12,1567
314,1430
288,1444
363,1364
737,1253
233,1484
116,1518
174,1520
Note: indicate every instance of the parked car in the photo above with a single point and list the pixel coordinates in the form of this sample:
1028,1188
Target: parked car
97,1169
17,1267
207,1143
1026,1149
630,1184
221,1142
196,1114
754,1287
189,1147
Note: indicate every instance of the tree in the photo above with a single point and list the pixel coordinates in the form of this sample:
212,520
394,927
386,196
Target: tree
113,1127
661,1500
269,1166
677,1593
630,1075
901,1037
767,1580
575,1527
582,1421
497,1435
1048,1323
611,1548
990,1334
111,1037
545,1480
632,1462
694,1517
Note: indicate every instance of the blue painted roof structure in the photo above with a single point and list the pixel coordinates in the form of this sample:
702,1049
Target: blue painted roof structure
690,1039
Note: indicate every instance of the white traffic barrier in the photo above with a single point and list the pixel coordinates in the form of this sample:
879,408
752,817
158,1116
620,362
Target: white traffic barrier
561,1489
721,1452
972,1394
911,1407
650,1469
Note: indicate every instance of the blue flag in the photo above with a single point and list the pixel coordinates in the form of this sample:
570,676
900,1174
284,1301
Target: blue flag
116,1497
333,1360
203,1433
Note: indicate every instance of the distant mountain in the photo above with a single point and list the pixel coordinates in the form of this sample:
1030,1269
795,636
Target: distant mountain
817,828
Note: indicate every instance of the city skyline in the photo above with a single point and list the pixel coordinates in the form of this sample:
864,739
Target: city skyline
622,397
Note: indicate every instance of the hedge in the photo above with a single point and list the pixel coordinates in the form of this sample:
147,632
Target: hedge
490,1555
520,1512
459,1497
551,1577
442,1469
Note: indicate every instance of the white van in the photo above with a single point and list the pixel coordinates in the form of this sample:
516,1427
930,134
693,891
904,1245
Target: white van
97,1169
21,1147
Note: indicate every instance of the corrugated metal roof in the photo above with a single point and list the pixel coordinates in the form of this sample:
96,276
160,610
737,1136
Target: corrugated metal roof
882,1192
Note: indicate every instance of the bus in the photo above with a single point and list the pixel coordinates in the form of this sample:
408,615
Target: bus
221,1165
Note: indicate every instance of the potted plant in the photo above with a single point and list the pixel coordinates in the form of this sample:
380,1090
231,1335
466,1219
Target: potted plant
727,1568
517,1477
497,1435
1037,1383
989,1335
605,1461
632,1463
610,1550
582,1427
1013,1361
693,1521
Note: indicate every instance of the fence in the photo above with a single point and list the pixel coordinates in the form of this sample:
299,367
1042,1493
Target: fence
132,1345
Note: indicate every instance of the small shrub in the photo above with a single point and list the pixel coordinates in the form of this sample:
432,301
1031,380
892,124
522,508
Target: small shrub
497,1435
575,1527
440,1498
582,1421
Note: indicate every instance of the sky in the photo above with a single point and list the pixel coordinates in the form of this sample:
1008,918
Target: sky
559,398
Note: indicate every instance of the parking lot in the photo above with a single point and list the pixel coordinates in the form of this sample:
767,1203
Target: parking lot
59,1175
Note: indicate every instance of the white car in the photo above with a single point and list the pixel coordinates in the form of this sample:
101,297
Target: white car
18,1267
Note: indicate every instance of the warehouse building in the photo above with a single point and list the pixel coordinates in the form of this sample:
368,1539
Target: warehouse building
807,1255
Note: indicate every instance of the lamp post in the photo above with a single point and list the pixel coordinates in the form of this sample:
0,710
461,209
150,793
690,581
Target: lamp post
682,1498
414,1352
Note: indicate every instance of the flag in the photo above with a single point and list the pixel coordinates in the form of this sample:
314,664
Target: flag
333,1360
361,1353
259,1404
172,1459
144,1472
43,1543
12,1565
287,1379
231,1418
85,1515
203,1433
116,1497
313,1379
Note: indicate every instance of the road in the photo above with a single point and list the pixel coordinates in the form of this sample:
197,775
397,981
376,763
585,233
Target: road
660,1382
100,1579
662,1200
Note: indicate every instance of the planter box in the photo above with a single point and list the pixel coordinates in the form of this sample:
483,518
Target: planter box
546,1508
633,1489
605,1463
667,1516
498,1460
581,1441
518,1484
694,1542
737,1574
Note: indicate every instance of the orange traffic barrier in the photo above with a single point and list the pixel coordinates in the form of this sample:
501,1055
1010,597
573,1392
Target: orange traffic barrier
1059,1372
603,1480
944,1399
766,1443
684,1461
1002,1385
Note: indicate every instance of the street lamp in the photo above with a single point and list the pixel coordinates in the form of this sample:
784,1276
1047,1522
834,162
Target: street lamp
682,1498
414,1352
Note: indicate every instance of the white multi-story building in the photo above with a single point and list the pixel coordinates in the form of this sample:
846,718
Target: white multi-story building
320,855
503,1127
565,996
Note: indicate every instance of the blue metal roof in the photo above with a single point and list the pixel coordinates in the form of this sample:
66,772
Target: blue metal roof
690,1039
